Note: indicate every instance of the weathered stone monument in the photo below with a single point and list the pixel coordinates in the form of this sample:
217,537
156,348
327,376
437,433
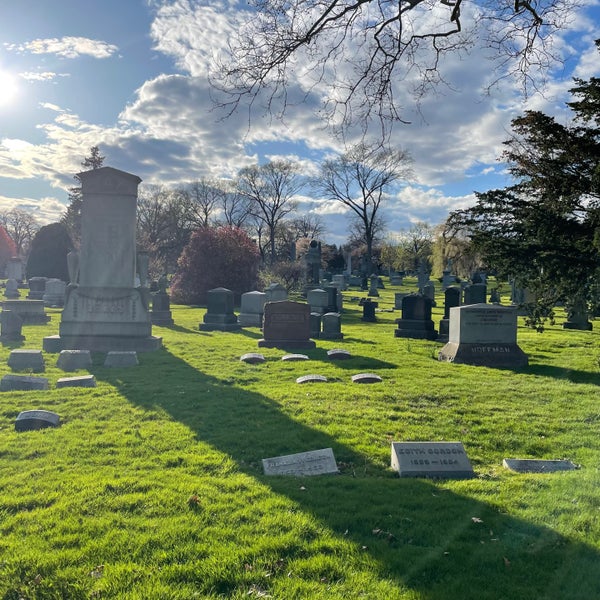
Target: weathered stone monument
252,307
431,459
416,319
318,300
54,296
11,289
11,326
103,310
286,325
484,335
577,316
219,314
276,293
475,293
452,297
37,287
31,311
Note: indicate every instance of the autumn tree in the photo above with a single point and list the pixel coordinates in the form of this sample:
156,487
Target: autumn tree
364,50
270,191
360,180
71,218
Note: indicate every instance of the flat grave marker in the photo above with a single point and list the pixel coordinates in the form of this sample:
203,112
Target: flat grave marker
366,378
533,465
313,462
31,420
431,459
252,358
312,379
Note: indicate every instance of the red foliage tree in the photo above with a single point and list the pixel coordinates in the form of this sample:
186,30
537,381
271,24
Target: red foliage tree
8,248
215,257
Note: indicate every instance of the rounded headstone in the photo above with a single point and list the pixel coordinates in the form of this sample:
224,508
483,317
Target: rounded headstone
252,358
294,357
31,420
338,354
366,378
311,379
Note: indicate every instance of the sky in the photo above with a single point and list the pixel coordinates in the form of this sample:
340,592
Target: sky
131,76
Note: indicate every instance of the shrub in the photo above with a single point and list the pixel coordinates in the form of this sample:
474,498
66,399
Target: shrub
48,255
8,248
215,257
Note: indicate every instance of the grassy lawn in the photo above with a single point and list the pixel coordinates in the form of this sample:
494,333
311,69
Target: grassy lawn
152,488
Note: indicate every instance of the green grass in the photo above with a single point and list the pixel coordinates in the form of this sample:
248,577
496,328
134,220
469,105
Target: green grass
153,488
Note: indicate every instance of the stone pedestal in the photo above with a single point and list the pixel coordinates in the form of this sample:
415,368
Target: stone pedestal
37,287
369,311
30,311
416,320
11,290
219,315
161,310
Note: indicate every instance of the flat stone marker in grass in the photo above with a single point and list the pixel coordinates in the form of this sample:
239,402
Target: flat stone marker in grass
11,383
366,378
312,379
80,381
121,359
25,360
252,358
338,354
71,360
31,420
294,357
431,459
314,462
532,465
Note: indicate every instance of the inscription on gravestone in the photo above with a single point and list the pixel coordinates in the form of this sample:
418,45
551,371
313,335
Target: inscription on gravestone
431,459
314,462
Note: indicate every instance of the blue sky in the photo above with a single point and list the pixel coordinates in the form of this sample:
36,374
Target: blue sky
131,77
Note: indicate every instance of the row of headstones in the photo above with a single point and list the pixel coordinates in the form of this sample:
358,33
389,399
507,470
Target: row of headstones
51,291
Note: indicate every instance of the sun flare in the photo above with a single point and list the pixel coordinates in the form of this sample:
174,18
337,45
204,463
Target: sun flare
9,88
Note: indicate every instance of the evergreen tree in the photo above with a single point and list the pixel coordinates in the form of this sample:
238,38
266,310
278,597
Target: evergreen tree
49,249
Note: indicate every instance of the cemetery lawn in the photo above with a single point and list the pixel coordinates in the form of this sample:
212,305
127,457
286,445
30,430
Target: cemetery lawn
153,488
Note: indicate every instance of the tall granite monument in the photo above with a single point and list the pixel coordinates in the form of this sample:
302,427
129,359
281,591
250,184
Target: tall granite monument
104,310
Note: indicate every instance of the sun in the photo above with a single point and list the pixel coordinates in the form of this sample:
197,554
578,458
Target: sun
9,88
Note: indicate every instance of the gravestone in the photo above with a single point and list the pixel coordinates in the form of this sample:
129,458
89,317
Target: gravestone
451,299
276,293
313,264
121,358
252,308
14,269
416,320
366,378
32,420
314,462
86,381
315,325
373,289
396,277
37,288
286,325
447,277
431,459
294,357
72,360
338,354
311,379
26,360
219,314
332,326
11,289
318,300
483,335
577,316
422,276
31,311
429,292
11,326
161,304
369,311
54,295
11,383
332,299
476,293
398,297
339,281
252,358
531,465
495,296
104,311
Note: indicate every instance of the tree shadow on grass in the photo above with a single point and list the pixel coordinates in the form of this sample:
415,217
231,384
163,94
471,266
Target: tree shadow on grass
423,537
572,375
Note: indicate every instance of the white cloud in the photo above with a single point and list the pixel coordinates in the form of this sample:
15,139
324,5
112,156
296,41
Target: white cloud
67,47
41,75
46,210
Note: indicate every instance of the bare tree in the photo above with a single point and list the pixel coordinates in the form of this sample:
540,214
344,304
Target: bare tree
360,180
21,226
205,197
270,191
308,225
235,207
360,49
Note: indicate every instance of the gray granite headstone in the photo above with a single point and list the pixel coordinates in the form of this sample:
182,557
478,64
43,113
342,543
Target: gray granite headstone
286,325
312,379
431,459
71,360
252,358
26,360
79,381
31,420
314,462
252,307
529,465
366,378
332,326
11,290
219,314
121,359
11,383
294,357
11,326
338,354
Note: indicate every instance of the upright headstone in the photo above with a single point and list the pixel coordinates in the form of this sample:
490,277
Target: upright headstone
475,294
339,281
577,316
219,314
422,276
11,326
31,311
484,335
315,325
286,325
373,289
54,296
276,293
451,299
429,292
318,300
332,326
104,311
397,277
26,360
37,287
11,290
14,269
332,299
431,459
369,311
252,307
416,319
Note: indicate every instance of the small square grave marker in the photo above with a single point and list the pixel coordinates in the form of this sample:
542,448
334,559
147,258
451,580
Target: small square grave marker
311,379
21,360
81,381
314,462
431,459
530,465
23,383
30,420
121,359
366,378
